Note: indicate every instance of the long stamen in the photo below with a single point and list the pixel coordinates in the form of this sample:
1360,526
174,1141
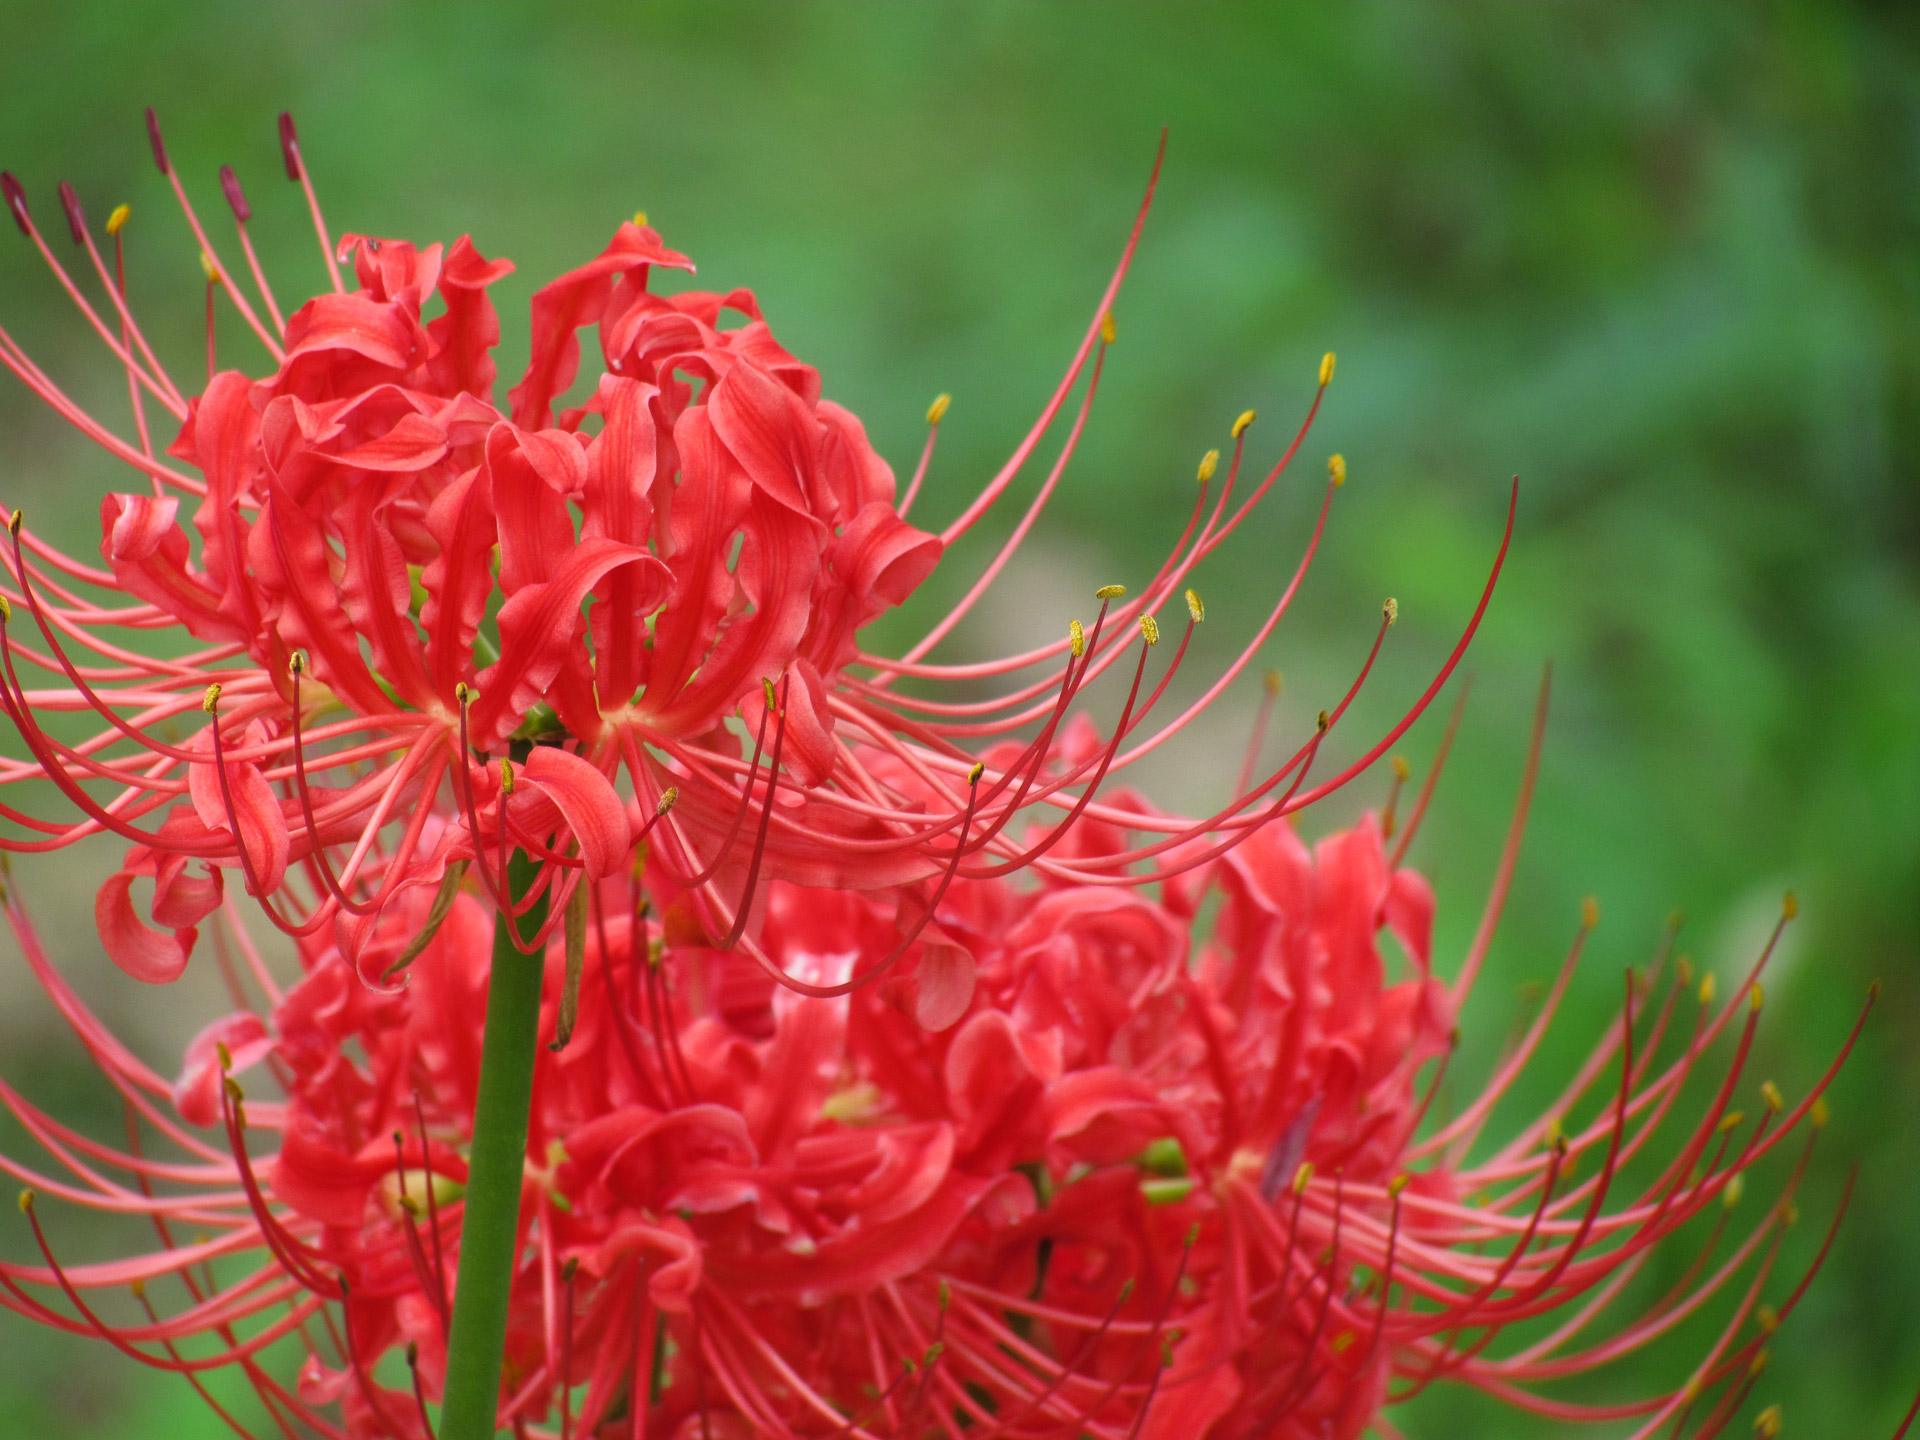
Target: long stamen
732,936
242,213
297,171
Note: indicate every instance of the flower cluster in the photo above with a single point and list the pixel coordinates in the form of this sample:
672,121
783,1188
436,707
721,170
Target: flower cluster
908,1075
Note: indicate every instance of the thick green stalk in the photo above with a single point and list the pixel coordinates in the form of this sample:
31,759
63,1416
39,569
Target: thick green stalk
489,1232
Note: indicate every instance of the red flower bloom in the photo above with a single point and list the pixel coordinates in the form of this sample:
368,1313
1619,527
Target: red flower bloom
392,575
1066,1177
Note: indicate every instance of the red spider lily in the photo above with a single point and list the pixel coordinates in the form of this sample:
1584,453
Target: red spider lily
395,581
1076,1174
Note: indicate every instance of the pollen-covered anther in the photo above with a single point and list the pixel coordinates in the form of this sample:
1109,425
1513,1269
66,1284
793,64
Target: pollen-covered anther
1247,417
1323,722
1756,997
669,797
937,411
1767,1318
1108,332
1196,607
1397,1184
1789,906
1758,1364
297,663
1391,609
6,610
1150,629
209,269
639,217
1589,912
1736,1187
506,776
1767,1423
1732,1121
1273,680
1209,462
1770,1092
1337,470
1707,988
1326,368
463,694
1303,1177
224,1055
1789,1214
1077,638
26,1201
766,690
973,775
1818,1114
210,702
1401,770
117,221
1109,592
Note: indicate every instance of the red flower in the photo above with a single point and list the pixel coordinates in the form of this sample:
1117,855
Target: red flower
1063,1177
393,579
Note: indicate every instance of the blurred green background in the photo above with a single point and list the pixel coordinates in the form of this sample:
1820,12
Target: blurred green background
1663,261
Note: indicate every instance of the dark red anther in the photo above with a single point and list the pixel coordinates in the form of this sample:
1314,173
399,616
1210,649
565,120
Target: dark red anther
76,217
16,202
159,145
236,197
289,145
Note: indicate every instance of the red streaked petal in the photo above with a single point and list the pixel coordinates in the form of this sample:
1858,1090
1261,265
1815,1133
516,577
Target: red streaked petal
592,808
137,948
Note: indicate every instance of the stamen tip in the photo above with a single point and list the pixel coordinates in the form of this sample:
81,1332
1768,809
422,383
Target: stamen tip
1401,770
639,217
1247,417
1337,470
1109,592
973,775
210,702
1326,368
159,145
1209,462
669,797
1589,913
1736,1188
937,411
289,145
1303,1177
76,217
1766,1424
236,197
1756,998
26,1202
1150,629
1273,680
1391,609
1789,906
117,221
506,776
1196,607
1323,722
1077,638
16,202
1108,331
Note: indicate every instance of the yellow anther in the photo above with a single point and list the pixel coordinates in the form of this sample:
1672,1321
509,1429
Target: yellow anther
26,1201
668,798
463,694
1555,1136
1150,628
1401,770
945,1299
297,663
1736,1187
1273,680
1391,609
1397,1184
13,525
1733,1121
1107,330
6,611
1109,592
1789,906
973,775
1789,1213
1767,1318
1706,988
210,702
1341,1343
1589,912
208,268
1818,1112
1326,368
1337,470
1685,970
506,776
1247,417
1209,463
1195,607
1767,1423
139,1288
225,1055
1303,1177
766,690
117,221
1770,1092
639,217
1077,638
1758,1364
1323,722
937,411
1756,998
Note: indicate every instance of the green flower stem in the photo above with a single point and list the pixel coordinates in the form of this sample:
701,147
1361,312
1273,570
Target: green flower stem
489,1234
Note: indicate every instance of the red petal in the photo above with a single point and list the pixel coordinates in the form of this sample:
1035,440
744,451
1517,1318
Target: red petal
143,952
587,799
180,899
196,1094
464,337
945,981
147,550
